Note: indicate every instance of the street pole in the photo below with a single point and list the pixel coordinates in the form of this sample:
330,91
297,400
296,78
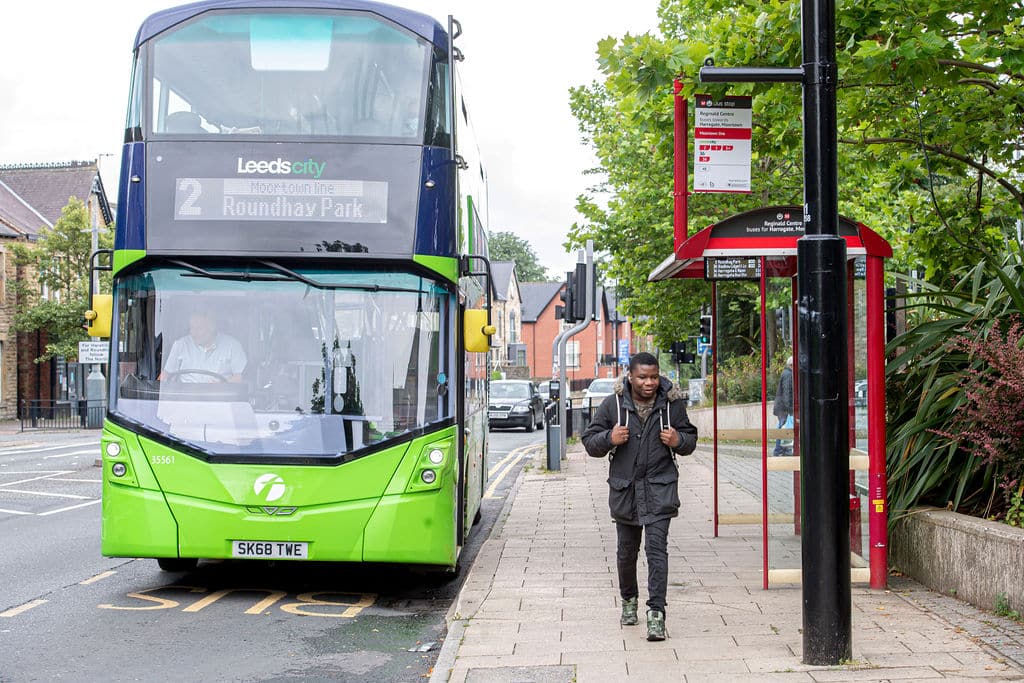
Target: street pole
95,383
563,341
555,443
822,302
824,394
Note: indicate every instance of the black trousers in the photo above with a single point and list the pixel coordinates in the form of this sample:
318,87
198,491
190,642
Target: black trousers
656,548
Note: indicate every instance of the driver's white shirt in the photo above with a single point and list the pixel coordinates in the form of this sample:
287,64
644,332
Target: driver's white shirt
224,356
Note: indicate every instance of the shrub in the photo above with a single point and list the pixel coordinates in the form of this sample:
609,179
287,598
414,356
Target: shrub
739,378
990,423
927,394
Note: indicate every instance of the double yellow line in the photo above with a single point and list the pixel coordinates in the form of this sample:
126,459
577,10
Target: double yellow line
499,471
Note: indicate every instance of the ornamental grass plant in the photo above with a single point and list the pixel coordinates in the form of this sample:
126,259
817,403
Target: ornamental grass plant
955,396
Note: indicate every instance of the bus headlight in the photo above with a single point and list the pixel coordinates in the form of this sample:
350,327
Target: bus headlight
436,456
114,449
119,469
428,476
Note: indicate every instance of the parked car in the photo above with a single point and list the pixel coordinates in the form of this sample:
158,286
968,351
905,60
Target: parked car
515,403
860,392
544,389
598,389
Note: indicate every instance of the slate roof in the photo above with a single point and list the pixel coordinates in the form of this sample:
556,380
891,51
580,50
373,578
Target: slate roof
17,218
502,272
47,187
611,301
536,296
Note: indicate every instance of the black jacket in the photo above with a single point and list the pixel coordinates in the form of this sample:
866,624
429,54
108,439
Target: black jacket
783,406
643,477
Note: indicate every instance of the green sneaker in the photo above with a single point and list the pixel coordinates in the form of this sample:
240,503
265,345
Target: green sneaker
629,613
655,625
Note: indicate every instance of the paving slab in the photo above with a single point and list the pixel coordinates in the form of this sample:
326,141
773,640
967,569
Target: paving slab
541,601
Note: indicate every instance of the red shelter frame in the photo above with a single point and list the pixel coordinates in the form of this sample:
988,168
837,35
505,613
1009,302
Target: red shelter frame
769,236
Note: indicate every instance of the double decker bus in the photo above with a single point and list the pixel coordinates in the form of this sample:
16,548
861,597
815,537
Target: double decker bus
299,318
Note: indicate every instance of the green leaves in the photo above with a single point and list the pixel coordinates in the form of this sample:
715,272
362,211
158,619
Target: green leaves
507,246
925,380
59,263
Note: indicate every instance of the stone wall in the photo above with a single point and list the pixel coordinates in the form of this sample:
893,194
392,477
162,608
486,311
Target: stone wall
974,559
9,350
739,416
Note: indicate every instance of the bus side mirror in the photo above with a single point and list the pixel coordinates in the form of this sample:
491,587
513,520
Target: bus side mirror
99,316
477,331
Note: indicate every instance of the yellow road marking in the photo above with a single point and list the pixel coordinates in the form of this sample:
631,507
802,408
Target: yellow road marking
511,454
15,611
505,466
98,577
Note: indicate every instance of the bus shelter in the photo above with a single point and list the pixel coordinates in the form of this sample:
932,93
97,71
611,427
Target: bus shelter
760,246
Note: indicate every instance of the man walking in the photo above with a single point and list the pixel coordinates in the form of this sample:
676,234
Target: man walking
642,426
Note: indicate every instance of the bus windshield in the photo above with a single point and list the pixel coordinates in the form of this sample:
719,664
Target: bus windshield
331,74
275,363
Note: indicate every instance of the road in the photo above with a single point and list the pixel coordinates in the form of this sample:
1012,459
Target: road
68,613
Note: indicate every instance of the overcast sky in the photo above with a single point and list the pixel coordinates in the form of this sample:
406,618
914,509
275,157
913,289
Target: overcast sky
66,66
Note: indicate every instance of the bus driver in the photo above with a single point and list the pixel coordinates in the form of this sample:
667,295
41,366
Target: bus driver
216,356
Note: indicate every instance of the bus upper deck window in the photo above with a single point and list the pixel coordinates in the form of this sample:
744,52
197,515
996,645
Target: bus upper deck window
284,43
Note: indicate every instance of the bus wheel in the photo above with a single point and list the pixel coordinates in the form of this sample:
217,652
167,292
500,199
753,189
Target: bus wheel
177,564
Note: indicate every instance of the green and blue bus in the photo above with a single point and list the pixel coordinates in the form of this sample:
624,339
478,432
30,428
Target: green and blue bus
299,317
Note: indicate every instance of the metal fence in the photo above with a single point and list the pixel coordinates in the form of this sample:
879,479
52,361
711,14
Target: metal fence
580,413
53,414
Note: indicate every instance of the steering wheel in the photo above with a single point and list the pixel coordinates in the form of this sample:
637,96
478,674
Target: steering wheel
172,376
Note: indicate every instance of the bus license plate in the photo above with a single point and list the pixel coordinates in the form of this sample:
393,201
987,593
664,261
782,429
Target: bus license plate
270,550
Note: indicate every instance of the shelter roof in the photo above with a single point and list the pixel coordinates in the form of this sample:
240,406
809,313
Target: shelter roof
771,231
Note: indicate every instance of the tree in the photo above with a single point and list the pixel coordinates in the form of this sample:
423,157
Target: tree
930,114
506,246
60,261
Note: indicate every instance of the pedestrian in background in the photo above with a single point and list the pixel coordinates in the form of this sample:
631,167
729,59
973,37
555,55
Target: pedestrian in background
783,406
642,426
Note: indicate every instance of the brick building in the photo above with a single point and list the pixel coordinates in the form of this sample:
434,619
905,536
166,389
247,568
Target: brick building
32,197
589,354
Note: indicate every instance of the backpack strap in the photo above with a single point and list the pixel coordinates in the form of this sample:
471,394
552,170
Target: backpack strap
618,411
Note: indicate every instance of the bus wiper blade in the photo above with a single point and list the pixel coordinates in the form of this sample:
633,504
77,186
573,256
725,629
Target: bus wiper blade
226,274
324,285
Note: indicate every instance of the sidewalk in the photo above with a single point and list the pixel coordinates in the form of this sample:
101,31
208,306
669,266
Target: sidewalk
541,602
12,435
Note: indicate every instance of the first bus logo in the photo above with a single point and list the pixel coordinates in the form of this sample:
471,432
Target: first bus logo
270,486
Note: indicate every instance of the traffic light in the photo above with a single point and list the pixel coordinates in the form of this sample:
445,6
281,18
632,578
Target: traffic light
705,329
679,354
568,297
579,295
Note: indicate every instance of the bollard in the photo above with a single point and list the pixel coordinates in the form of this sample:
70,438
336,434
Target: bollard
554,445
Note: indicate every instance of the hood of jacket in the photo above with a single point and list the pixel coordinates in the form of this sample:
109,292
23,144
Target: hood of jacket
667,386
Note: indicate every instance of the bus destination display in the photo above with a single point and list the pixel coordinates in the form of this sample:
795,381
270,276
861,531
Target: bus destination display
272,199
732,268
